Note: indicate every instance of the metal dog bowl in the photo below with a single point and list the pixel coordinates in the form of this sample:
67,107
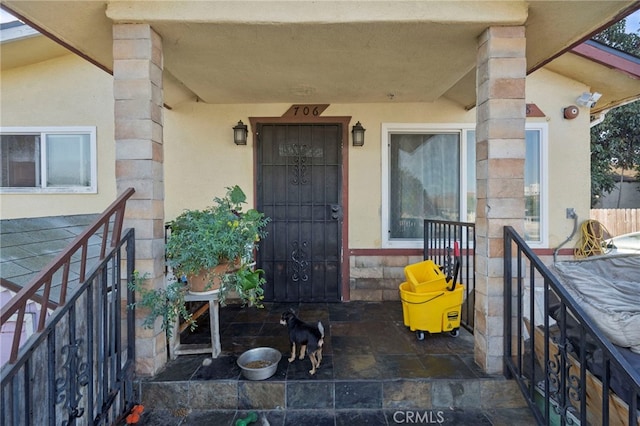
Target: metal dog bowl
259,363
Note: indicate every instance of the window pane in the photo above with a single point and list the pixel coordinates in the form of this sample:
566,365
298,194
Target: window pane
20,160
532,186
424,181
68,160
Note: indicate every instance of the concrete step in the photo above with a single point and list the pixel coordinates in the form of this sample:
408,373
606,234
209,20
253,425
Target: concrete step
395,394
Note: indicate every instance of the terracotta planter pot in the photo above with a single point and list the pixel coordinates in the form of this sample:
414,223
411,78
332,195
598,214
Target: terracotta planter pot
200,283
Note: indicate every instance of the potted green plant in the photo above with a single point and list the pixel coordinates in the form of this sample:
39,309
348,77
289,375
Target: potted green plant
213,248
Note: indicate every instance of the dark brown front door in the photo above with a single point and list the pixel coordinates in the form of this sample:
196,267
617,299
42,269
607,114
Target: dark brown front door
300,189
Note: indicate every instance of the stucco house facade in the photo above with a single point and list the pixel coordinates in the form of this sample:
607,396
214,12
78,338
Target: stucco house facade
470,111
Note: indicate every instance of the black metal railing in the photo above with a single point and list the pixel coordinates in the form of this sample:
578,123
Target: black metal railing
440,241
78,367
567,370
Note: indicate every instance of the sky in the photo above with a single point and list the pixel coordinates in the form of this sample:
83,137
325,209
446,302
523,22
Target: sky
5,17
633,22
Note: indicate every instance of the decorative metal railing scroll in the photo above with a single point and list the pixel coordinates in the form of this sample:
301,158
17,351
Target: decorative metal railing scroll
78,366
567,370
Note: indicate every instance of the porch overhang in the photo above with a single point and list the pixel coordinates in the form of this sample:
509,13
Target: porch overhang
613,73
231,52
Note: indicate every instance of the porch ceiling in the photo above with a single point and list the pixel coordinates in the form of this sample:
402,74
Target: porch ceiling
322,51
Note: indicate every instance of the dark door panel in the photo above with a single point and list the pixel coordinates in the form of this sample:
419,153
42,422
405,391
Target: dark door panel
299,188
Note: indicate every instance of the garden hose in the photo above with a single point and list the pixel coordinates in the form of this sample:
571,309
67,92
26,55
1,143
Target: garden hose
592,242
251,417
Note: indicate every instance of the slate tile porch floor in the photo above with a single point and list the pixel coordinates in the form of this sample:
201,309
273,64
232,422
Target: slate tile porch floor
374,371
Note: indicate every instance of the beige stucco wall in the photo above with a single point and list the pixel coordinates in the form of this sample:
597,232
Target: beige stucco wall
66,91
569,152
201,158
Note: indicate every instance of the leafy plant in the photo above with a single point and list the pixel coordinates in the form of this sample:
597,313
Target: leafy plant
202,239
167,303
615,142
246,282
199,241
615,148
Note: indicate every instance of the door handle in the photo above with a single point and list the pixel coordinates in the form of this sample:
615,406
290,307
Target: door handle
336,211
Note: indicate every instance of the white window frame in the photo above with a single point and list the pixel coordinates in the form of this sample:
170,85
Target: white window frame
388,128
543,128
43,132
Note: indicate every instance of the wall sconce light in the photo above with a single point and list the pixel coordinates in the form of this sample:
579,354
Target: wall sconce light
357,134
588,99
240,133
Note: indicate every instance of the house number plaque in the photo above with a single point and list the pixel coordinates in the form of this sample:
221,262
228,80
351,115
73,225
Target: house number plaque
305,110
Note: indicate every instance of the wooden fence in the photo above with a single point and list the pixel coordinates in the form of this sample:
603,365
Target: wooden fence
618,221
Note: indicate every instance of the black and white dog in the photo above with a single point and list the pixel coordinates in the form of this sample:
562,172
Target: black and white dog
308,337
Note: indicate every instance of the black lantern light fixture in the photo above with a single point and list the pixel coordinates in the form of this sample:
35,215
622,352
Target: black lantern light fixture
240,133
357,133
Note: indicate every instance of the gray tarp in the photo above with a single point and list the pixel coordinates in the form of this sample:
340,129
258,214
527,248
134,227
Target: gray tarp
608,289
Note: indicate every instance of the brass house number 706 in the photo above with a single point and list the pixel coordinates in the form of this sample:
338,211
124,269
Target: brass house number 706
305,110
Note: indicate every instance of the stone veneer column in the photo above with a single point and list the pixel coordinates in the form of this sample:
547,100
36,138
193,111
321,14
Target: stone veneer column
500,153
137,73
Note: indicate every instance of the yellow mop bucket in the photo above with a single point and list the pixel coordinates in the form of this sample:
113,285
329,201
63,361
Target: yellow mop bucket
433,311
425,276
